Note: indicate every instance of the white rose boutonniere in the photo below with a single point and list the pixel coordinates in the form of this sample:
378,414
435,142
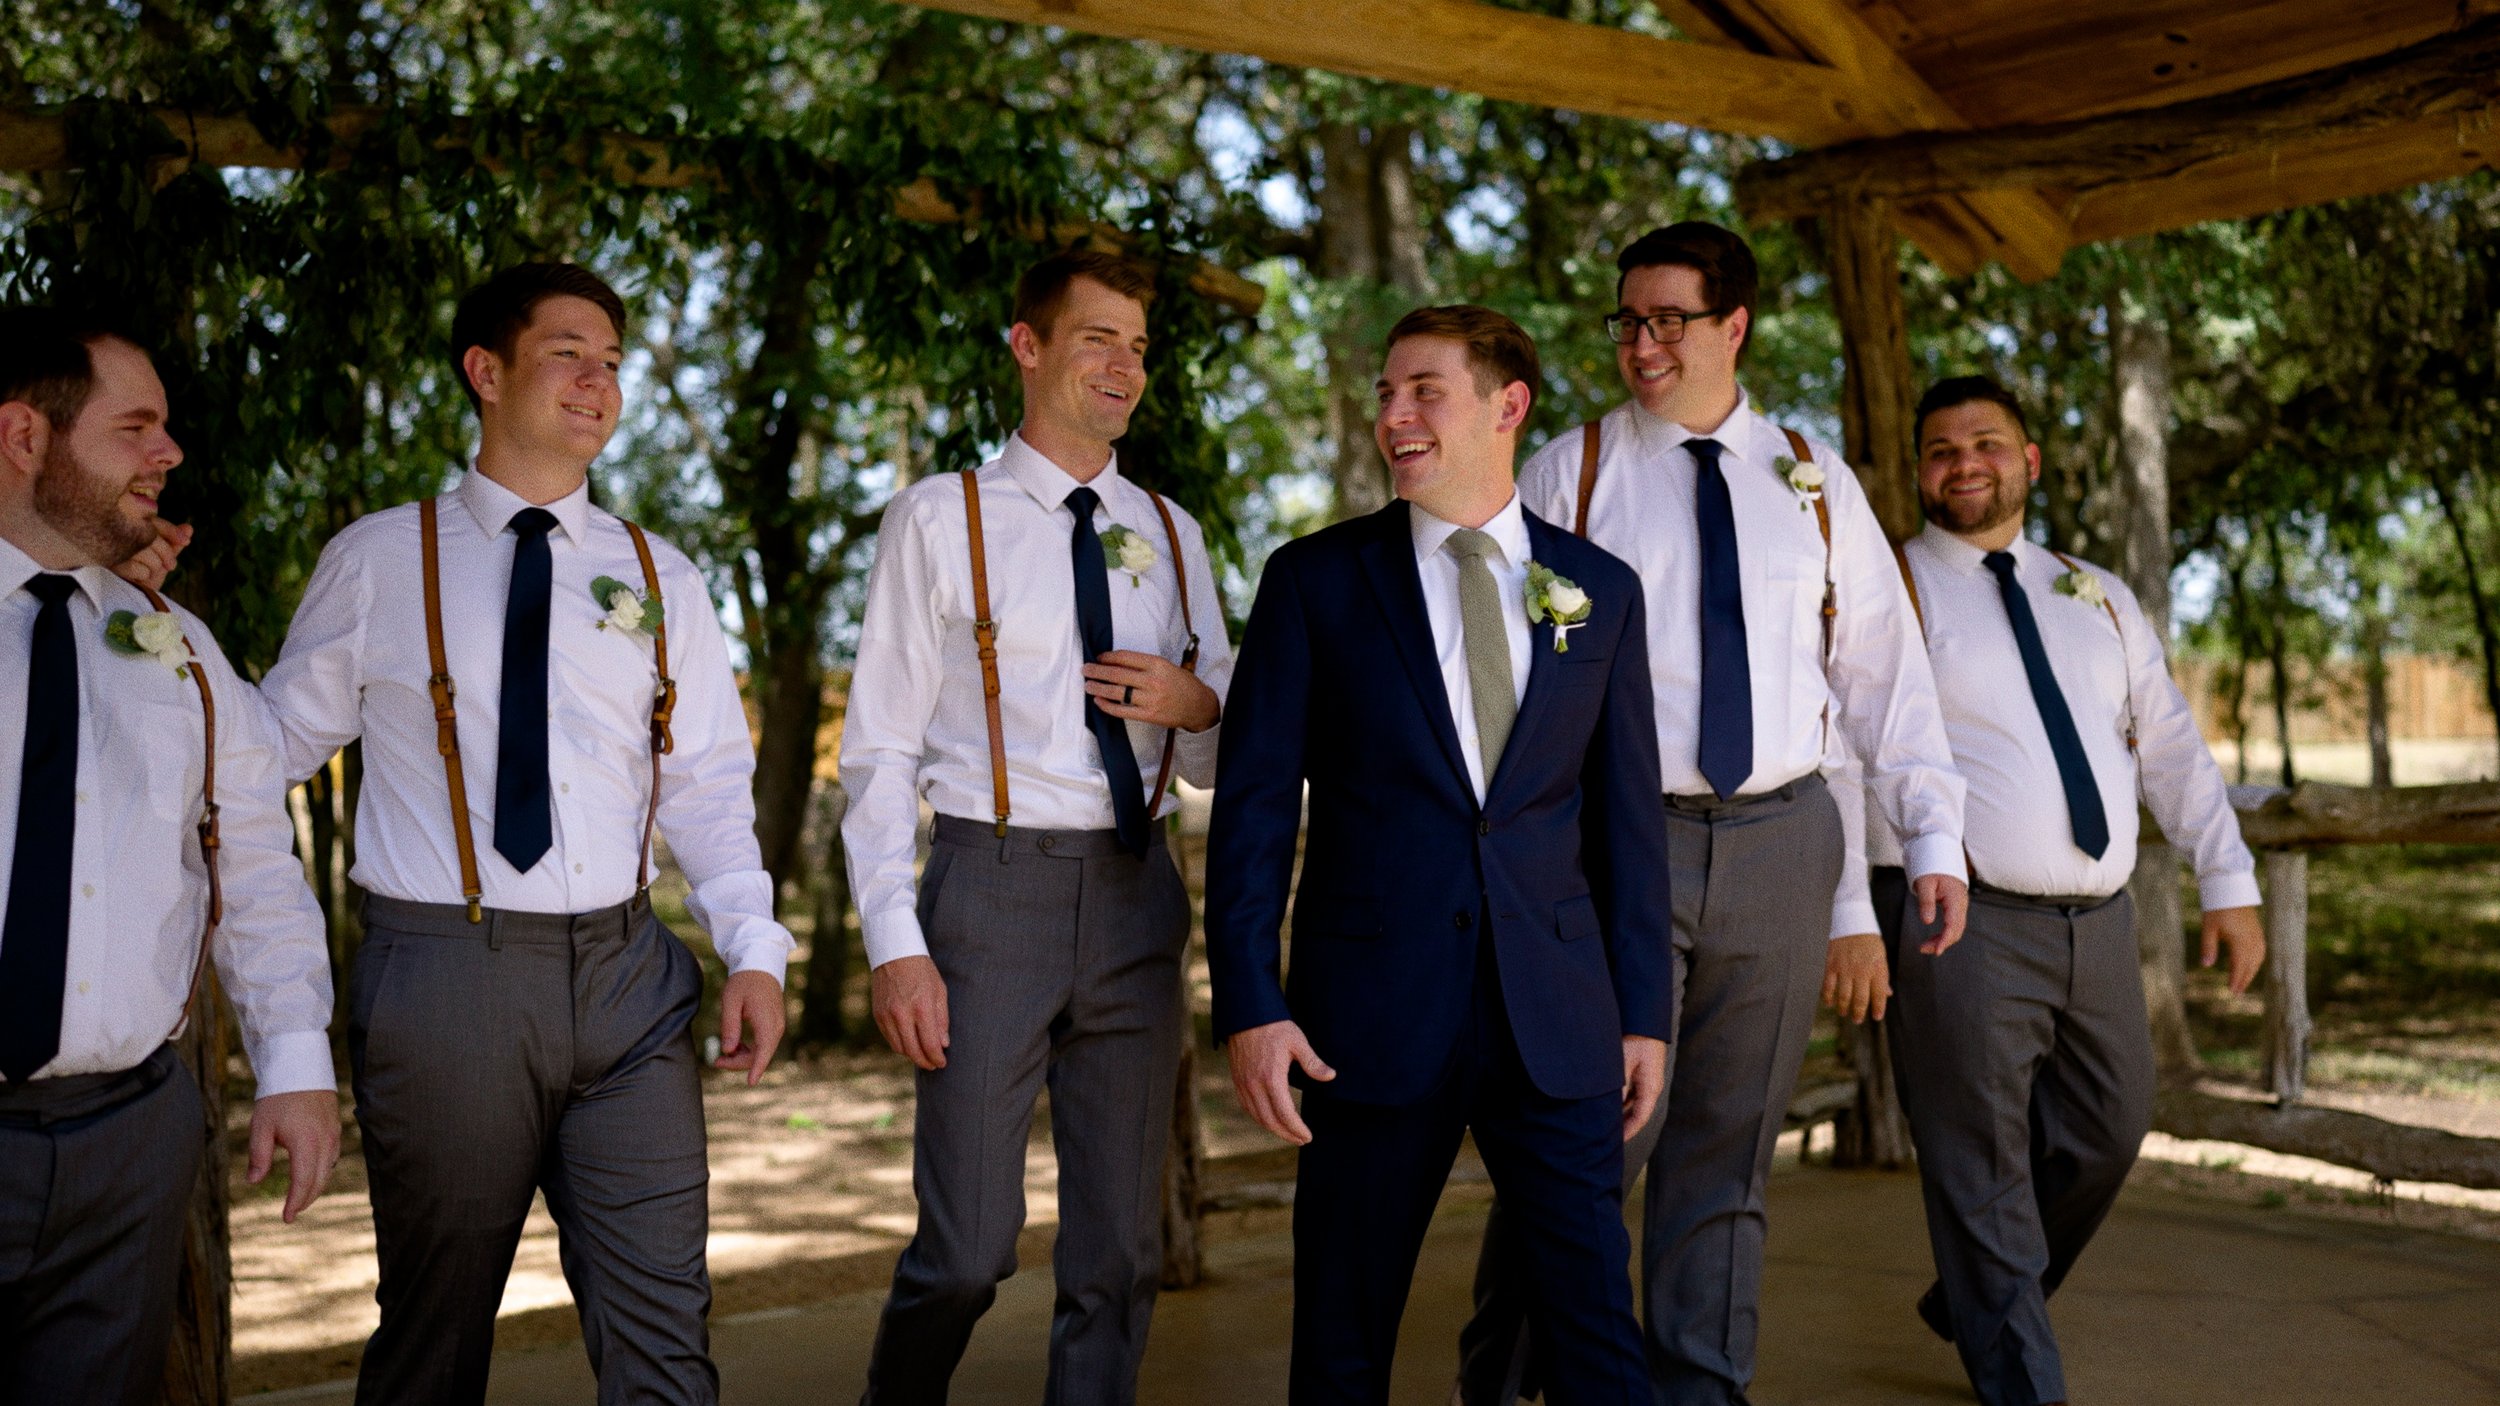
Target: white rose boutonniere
1558,600
2083,586
1129,552
155,635
1805,480
628,611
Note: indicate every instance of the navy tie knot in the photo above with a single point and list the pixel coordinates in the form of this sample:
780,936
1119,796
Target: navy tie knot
1082,502
1706,450
2002,563
533,522
51,588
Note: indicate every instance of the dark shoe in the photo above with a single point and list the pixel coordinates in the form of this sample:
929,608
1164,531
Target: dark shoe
1931,1311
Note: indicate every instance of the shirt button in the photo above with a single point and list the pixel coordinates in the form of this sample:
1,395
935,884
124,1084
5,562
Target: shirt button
577,868
82,798
86,890
82,988
565,786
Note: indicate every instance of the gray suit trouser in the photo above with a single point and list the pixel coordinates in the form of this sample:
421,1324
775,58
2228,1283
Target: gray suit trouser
2026,1068
96,1172
529,1052
1062,959
1752,882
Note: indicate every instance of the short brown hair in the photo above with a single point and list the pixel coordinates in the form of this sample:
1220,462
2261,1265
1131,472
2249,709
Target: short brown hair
1499,351
1044,288
1730,279
47,360
1967,390
494,312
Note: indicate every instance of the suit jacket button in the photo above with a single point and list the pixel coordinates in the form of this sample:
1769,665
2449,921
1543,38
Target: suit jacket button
1484,827
1462,920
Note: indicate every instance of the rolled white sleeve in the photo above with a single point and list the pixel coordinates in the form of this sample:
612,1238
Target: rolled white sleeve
1853,901
272,948
1193,754
2176,771
707,800
894,691
1885,692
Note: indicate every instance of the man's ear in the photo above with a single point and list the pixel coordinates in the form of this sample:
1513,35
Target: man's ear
25,438
485,371
1026,344
1739,327
2031,456
1516,398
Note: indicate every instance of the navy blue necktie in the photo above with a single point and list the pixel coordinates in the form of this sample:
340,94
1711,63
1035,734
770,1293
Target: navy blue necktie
1093,628
2074,770
524,823
34,939
1726,667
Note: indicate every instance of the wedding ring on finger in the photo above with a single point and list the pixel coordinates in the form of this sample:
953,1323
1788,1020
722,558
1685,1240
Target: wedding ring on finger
1128,695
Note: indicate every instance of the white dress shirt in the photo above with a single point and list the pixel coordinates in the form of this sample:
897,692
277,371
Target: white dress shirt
2021,837
355,665
1877,695
1439,569
916,727
138,896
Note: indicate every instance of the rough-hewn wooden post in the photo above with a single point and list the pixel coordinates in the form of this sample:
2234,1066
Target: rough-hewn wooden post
198,1359
2161,956
1877,395
2287,973
1183,1167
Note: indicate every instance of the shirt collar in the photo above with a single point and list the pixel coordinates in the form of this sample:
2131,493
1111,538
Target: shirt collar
493,505
1957,555
1738,435
1050,484
17,568
1508,529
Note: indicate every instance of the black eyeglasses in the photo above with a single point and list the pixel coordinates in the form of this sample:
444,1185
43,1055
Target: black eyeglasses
1665,328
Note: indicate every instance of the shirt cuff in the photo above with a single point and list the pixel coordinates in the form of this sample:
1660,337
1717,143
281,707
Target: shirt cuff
735,910
2236,889
293,1062
1935,854
1853,919
891,934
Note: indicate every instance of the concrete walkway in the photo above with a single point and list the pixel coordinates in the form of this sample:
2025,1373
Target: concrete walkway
2183,1300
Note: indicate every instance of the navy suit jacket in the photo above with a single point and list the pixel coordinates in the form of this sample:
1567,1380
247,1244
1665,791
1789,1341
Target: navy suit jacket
1336,684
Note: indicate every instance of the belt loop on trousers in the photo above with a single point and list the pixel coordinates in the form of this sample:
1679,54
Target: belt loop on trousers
494,931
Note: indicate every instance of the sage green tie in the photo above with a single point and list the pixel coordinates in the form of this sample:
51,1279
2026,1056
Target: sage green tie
1488,644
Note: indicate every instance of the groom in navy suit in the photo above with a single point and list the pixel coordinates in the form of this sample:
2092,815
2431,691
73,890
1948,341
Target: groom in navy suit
1480,936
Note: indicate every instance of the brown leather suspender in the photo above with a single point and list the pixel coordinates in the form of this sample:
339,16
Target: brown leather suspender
1189,654
985,639
1588,478
210,843
1901,558
663,704
446,715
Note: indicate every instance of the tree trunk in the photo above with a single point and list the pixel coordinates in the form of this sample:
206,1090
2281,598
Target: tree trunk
1370,238
2486,629
1184,1167
1872,1131
199,1358
2374,631
2161,956
821,1020
1877,395
2277,650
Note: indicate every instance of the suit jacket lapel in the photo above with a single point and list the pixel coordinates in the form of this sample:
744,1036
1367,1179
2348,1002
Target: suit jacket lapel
1389,559
1541,665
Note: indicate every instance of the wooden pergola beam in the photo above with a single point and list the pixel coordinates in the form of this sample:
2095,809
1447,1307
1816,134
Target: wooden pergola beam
2453,74
38,140
1478,48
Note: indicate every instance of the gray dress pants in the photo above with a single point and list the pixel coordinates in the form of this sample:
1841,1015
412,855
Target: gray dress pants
1752,881
533,1051
1062,959
96,1172
2026,1068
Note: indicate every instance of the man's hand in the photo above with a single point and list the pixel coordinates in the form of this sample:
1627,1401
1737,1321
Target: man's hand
1148,688
1644,1080
1856,979
909,1000
155,561
2241,928
750,1002
1942,895
306,1124
1260,1057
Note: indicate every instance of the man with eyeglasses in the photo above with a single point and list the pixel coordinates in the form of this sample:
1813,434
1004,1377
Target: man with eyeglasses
1778,631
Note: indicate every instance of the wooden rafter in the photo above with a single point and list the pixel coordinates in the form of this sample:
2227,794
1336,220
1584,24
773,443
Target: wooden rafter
1478,48
2454,76
38,140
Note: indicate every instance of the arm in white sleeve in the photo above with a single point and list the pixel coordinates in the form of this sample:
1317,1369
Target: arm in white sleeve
707,788
1853,904
1884,691
2176,771
1549,483
272,948
894,694
1194,752
315,692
